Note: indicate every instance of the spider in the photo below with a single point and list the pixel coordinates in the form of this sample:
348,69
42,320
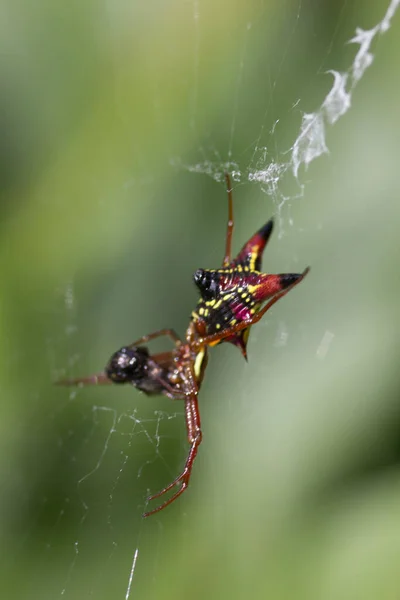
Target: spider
217,288
231,302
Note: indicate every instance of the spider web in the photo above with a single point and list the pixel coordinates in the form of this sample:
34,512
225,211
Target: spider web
87,538
268,166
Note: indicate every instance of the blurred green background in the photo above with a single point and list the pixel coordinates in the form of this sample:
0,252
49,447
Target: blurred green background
107,111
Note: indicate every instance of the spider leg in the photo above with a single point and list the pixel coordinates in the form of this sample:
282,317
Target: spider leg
215,337
194,436
151,336
230,225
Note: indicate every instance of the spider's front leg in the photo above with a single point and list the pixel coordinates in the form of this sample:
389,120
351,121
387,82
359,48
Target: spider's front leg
194,436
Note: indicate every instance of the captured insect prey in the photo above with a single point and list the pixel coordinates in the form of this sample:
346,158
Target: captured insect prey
134,365
232,299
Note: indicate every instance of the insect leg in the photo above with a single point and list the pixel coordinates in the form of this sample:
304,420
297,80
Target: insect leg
98,379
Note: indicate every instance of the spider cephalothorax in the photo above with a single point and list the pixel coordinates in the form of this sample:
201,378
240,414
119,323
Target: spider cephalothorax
207,283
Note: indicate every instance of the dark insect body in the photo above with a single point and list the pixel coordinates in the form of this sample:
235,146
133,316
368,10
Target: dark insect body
150,374
232,300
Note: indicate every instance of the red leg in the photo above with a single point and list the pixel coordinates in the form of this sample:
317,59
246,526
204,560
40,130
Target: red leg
194,436
151,336
229,229
98,379
215,337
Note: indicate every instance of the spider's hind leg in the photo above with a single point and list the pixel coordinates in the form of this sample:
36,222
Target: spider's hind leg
194,436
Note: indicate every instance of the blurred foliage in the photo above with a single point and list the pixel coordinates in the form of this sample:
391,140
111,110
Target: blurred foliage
296,488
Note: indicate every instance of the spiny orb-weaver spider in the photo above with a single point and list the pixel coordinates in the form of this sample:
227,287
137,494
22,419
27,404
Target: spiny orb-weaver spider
232,299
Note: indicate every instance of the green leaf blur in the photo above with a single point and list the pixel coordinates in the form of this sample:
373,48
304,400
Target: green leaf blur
106,109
